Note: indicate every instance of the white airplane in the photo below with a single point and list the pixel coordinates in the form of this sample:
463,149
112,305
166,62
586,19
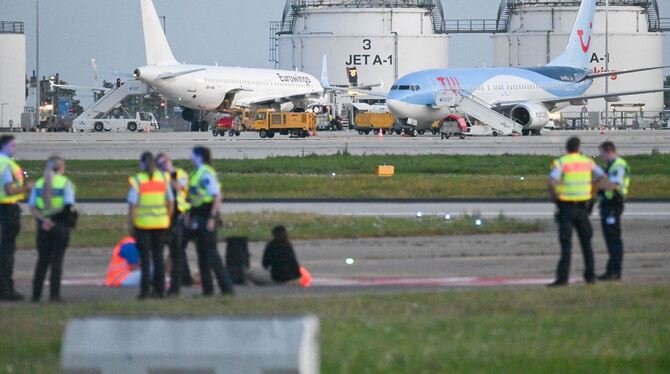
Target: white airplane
217,88
526,95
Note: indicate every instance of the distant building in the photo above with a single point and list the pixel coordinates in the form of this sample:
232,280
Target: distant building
12,72
382,39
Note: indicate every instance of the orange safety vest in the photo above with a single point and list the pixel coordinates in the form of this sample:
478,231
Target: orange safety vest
119,269
152,211
576,181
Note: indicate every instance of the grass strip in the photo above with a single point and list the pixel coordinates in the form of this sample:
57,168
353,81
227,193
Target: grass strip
432,176
578,329
105,231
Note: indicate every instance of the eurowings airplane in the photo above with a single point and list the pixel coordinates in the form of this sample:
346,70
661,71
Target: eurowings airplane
526,95
216,88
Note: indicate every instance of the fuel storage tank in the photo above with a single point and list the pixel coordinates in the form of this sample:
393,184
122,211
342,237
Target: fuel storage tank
381,39
12,72
538,31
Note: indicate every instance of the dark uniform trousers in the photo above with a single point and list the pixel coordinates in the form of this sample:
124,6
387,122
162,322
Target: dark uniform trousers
610,219
574,216
150,246
177,239
209,259
10,226
51,247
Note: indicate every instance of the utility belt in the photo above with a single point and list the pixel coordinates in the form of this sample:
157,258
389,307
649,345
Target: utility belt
68,217
203,211
575,203
616,200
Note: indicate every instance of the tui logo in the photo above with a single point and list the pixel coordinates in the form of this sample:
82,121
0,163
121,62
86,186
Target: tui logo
585,46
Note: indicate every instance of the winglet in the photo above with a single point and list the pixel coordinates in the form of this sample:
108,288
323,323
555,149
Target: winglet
324,72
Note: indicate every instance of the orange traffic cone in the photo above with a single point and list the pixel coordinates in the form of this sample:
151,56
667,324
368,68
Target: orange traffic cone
380,134
305,277
602,130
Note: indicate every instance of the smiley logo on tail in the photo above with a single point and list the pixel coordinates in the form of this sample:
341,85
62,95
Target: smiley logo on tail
585,46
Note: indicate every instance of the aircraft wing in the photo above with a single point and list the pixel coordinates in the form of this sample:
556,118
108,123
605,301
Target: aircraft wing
266,100
621,72
357,91
581,100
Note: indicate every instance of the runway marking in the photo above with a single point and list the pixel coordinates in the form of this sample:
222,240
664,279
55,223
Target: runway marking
381,282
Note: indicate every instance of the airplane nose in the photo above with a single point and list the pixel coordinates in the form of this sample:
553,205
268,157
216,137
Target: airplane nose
137,73
396,107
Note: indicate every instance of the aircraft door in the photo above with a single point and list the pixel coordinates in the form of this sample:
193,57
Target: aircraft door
192,85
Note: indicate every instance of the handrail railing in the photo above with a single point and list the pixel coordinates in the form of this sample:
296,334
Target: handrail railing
471,26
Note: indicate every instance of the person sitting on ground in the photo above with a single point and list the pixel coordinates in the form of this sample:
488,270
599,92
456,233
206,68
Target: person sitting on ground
280,265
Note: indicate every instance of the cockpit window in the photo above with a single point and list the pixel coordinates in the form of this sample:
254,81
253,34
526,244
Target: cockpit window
406,88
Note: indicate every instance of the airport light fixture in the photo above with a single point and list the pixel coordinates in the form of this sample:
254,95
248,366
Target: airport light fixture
2,113
607,60
37,63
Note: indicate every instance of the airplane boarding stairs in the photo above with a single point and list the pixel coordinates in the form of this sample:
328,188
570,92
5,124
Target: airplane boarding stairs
464,102
113,99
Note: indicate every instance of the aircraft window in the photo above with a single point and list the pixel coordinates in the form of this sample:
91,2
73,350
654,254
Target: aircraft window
394,87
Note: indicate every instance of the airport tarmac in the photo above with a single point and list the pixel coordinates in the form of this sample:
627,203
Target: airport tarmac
125,145
405,264
525,210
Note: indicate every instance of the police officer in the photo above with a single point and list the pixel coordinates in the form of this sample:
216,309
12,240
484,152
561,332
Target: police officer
205,198
175,235
150,205
12,190
51,203
571,187
612,196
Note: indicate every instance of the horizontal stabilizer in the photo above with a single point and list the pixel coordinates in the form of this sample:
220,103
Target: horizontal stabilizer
179,73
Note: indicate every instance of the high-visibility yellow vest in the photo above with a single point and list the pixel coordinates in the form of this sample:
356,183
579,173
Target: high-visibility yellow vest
197,192
59,184
152,211
624,188
576,183
17,173
181,196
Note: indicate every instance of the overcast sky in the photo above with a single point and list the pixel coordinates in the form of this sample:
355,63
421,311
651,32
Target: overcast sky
227,32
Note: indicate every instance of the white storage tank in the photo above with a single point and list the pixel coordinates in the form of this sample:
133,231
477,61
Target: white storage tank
538,31
12,72
382,39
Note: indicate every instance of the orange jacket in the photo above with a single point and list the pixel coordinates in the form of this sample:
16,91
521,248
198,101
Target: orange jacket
120,267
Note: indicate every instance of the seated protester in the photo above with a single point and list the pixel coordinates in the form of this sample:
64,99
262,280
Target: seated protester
124,267
280,265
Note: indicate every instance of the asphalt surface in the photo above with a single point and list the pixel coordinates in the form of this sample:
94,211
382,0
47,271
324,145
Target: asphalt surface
405,264
125,145
637,210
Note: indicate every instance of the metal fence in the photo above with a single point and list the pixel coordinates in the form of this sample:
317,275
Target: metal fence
11,27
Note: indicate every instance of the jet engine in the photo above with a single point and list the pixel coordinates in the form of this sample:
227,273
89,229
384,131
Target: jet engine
530,115
188,114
